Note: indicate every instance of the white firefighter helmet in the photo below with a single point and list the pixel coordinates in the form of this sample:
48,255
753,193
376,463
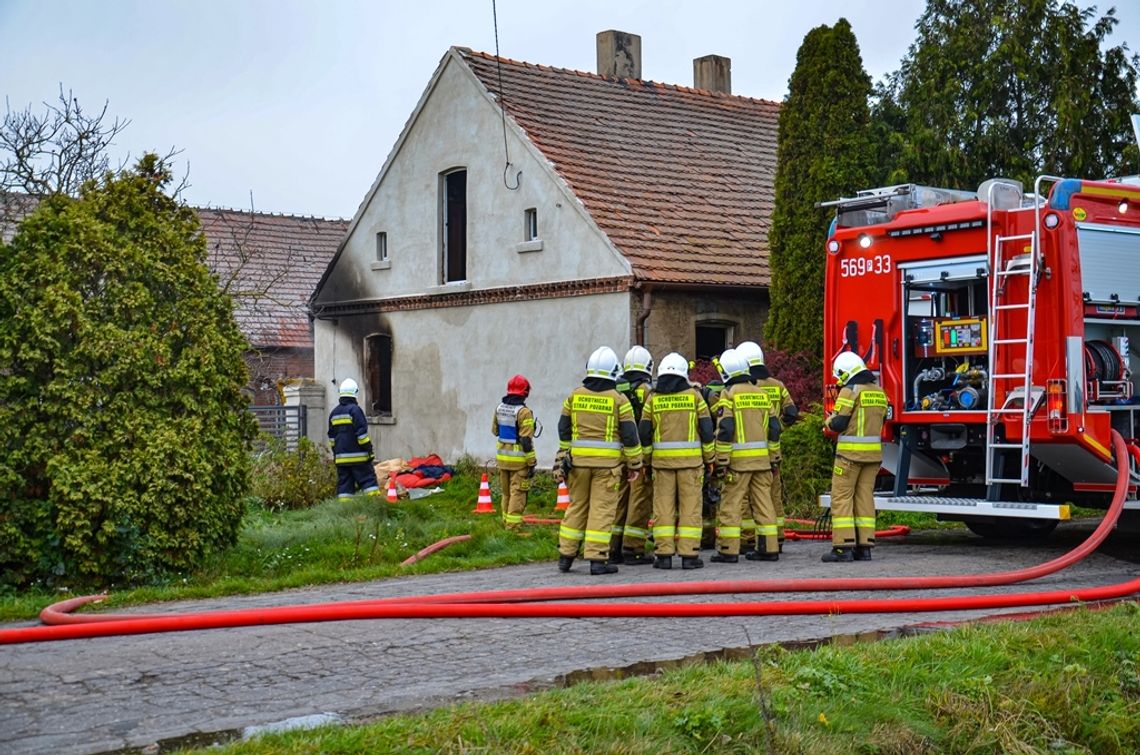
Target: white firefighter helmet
751,352
348,387
846,366
732,364
674,364
603,363
638,359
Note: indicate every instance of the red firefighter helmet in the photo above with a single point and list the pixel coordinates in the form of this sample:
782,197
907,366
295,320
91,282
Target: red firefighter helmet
518,386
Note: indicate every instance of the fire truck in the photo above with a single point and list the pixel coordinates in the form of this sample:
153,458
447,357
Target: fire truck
1000,323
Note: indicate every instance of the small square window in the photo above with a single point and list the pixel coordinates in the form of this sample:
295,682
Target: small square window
382,246
530,224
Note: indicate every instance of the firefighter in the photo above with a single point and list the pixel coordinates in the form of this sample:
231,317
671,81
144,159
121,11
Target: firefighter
513,425
746,424
631,521
677,433
785,407
596,437
351,446
857,419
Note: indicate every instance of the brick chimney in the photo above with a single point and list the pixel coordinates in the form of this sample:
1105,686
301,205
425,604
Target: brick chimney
619,55
712,72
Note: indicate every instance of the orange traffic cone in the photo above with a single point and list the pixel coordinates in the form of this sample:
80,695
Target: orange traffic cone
393,495
485,505
563,497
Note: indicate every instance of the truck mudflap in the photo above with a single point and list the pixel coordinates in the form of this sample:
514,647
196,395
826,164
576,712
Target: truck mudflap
924,469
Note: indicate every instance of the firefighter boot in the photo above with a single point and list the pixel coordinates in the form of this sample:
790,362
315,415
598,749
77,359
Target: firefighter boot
629,558
692,562
564,563
862,553
601,567
838,555
724,558
762,556
616,556
663,562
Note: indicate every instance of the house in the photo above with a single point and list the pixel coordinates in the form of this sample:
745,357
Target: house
527,215
270,264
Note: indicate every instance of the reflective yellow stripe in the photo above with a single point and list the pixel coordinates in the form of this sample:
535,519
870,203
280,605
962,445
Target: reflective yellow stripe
838,522
766,529
728,531
596,536
664,530
570,533
597,453
636,531
844,403
689,532
865,521
513,518
342,420
849,446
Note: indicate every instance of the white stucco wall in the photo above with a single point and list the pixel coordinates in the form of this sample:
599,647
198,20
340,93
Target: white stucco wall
459,127
450,365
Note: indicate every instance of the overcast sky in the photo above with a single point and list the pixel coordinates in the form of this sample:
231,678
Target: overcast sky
297,103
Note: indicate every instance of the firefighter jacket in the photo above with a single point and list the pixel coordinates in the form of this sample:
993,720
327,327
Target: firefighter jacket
782,406
597,427
860,411
513,425
348,433
676,427
745,425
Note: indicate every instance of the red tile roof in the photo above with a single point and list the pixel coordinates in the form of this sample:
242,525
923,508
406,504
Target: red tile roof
681,180
271,263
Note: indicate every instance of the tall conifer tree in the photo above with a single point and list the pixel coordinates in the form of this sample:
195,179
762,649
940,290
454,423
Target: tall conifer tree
824,151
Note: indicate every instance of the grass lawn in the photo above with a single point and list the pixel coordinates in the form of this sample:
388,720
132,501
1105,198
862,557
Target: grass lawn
1068,682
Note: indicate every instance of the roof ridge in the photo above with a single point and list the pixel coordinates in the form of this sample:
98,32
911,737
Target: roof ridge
260,213
467,51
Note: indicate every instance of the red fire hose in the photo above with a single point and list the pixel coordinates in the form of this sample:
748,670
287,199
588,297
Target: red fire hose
433,548
471,605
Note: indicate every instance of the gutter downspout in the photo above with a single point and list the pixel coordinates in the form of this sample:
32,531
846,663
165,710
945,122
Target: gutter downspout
646,310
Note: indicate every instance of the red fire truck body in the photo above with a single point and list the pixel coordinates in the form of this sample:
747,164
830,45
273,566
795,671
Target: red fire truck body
999,324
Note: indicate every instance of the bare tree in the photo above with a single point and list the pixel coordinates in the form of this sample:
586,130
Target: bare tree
55,151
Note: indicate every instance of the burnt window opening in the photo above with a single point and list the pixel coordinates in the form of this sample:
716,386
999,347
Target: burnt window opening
713,338
378,349
454,222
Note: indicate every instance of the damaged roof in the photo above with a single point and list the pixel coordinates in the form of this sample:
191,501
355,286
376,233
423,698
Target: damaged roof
681,180
270,264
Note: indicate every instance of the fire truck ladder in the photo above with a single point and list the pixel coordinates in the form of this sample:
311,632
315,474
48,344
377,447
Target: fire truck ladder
1008,260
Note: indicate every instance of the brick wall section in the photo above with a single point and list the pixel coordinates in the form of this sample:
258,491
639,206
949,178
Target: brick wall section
270,367
673,320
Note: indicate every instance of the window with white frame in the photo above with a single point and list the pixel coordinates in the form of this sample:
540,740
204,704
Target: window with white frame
530,224
382,246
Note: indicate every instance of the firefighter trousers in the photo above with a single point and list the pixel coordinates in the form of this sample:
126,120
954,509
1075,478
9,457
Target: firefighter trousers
631,520
853,502
751,490
350,477
588,521
677,511
515,483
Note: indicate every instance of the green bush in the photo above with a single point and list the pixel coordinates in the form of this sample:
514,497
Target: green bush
284,479
808,461
124,435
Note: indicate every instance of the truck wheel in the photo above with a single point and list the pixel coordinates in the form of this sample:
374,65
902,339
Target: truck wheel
1010,529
